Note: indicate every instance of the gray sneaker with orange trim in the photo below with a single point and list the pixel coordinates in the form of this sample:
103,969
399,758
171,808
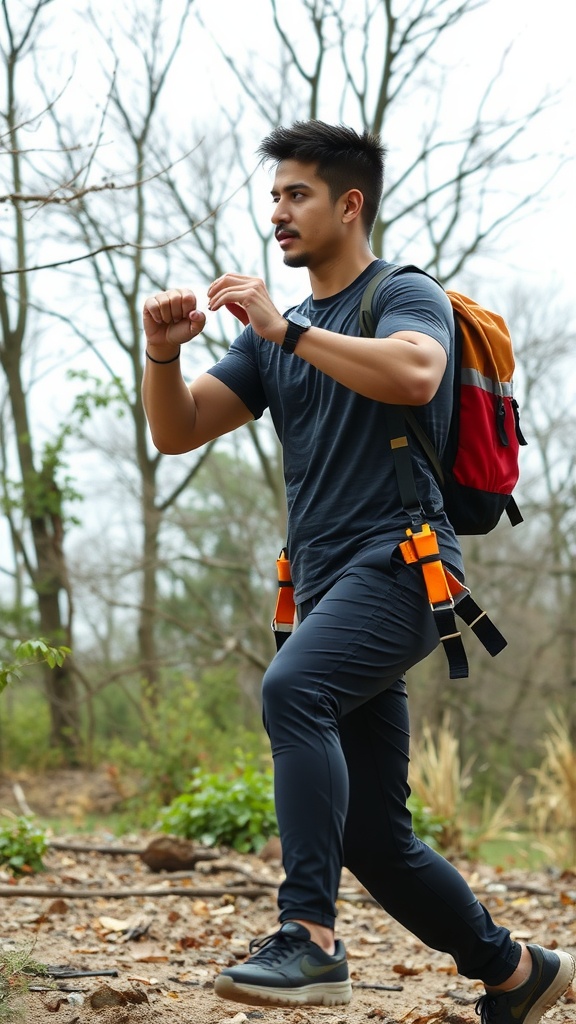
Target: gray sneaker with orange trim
288,969
552,974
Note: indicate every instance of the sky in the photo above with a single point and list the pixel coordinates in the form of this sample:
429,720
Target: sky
540,57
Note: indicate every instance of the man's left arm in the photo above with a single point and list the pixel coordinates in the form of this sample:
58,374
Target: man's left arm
403,369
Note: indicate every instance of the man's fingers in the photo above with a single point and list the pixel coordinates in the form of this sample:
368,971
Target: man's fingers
196,322
181,331
238,311
171,306
171,316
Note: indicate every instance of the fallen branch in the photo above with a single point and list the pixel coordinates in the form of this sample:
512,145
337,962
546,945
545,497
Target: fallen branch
71,972
124,851
21,800
114,851
17,891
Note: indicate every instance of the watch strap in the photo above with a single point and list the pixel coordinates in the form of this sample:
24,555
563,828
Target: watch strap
292,336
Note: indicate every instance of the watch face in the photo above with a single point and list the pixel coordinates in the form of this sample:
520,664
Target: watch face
297,318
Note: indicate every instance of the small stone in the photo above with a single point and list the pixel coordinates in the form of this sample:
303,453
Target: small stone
170,853
107,996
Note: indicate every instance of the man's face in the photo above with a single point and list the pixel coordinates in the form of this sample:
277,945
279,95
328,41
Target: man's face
307,226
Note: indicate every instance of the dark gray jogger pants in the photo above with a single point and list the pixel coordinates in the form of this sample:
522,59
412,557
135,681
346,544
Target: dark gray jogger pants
336,711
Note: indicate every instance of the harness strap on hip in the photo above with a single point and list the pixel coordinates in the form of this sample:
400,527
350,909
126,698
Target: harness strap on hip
283,621
449,597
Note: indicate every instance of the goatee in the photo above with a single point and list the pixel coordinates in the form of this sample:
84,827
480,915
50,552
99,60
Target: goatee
296,261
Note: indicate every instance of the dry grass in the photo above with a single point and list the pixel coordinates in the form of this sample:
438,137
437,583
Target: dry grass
439,778
16,965
553,803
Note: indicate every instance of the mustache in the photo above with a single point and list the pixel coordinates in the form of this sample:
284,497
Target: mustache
283,232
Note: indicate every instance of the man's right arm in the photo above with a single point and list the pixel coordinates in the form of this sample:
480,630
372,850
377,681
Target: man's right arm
182,417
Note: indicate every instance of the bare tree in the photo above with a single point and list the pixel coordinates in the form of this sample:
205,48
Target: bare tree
37,520
377,64
158,206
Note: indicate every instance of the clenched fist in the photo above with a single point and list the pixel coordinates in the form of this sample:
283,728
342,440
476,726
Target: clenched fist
171,318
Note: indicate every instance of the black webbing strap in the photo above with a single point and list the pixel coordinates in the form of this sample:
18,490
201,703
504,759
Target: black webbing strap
451,640
513,512
480,624
403,466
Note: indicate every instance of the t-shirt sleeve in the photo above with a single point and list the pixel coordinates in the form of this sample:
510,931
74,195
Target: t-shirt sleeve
239,370
414,302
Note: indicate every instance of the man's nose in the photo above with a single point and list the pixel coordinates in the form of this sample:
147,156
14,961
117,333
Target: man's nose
280,214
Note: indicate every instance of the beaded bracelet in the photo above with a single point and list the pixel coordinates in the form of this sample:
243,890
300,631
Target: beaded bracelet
162,361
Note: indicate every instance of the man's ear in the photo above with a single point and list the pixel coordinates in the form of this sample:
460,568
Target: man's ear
352,201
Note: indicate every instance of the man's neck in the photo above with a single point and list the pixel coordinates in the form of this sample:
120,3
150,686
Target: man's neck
333,277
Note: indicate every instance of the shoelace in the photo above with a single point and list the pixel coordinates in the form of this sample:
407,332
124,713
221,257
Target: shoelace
266,949
486,1008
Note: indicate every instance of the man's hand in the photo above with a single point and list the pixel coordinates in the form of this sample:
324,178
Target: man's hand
248,299
171,317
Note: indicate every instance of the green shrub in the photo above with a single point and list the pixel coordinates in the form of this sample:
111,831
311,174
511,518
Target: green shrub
27,653
427,826
25,730
177,736
22,845
234,810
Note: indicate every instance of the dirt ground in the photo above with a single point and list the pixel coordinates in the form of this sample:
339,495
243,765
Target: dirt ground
155,941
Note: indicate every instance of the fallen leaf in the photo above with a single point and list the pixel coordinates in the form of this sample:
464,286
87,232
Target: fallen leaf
59,907
407,971
146,954
112,924
188,942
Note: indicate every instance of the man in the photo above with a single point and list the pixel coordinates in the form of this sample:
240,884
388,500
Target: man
334,697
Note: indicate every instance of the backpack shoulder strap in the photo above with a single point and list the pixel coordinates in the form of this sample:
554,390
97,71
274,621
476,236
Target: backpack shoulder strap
367,327
367,324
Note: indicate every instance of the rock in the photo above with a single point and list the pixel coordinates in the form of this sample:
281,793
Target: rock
107,996
272,850
170,853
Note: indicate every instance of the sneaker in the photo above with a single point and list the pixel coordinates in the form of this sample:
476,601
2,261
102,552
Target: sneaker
288,969
552,974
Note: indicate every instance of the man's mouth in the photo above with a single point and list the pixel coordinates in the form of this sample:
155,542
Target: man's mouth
284,237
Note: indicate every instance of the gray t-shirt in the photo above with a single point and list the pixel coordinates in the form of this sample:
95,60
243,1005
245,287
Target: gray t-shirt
343,503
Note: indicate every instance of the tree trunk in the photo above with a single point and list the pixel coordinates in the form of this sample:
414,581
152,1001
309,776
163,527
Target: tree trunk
51,585
42,508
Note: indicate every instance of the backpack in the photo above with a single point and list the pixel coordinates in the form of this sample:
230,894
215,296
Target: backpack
478,469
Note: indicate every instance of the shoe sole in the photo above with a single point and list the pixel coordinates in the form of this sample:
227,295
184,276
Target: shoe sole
334,993
557,988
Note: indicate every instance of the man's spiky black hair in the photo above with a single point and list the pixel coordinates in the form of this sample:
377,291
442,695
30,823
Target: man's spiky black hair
343,157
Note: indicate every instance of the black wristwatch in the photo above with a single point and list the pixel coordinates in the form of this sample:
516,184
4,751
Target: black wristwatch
297,324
